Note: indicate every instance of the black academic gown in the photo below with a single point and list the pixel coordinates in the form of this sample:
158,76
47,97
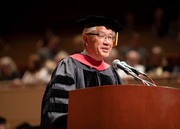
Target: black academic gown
73,72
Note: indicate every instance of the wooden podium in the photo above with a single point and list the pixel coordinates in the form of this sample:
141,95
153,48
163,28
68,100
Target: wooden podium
124,107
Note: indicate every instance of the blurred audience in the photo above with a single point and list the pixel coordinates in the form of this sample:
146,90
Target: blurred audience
36,73
9,70
2,123
43,42
26,125
158,65
176,69
49,66
60,55
112,56
134,44
129,23
77,43
174,27
51,49
132,59
4,47
159,24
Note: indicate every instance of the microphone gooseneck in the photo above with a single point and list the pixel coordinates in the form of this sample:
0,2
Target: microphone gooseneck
131,71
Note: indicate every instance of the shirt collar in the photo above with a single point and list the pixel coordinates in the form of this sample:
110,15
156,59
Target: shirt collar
85,52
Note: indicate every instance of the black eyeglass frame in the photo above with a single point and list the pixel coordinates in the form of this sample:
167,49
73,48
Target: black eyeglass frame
98,35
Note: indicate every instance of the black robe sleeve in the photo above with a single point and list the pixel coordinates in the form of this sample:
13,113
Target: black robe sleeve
70,74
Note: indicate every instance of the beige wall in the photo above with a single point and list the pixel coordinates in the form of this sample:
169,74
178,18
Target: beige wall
21,105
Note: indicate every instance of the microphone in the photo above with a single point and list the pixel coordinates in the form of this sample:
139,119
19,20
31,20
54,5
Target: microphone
133,69
117,64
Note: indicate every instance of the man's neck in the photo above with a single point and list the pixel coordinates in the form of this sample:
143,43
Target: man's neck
85,52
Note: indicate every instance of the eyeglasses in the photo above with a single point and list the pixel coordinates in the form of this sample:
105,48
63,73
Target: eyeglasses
103,36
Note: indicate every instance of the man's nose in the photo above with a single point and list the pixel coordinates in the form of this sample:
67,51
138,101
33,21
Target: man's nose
106,42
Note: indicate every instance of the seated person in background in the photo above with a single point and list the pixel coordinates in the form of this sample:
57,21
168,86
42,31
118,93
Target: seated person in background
77,43
159,23
134,44
130,22
176,70
35,73
49,51
60,55
2,123
158,65
9,71
174,27
132,59
49,66
83,70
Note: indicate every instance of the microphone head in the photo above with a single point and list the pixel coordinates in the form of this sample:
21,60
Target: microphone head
118,64
122,62
115,62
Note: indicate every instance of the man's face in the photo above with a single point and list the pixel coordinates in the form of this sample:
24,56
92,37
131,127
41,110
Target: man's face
97,46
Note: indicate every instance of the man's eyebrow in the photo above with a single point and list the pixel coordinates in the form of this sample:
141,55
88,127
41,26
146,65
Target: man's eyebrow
104,32
101,31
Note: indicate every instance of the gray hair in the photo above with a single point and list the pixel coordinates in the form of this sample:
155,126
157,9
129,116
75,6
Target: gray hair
8,61
89,30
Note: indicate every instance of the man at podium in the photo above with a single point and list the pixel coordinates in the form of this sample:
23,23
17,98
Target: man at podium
83,70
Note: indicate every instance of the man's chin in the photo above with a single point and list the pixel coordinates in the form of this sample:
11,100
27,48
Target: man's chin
105,55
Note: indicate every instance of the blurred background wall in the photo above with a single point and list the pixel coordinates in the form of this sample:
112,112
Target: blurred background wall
24,23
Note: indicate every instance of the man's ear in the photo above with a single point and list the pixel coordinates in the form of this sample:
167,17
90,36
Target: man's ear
85,39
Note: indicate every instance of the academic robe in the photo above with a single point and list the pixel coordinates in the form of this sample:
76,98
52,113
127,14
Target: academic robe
73,72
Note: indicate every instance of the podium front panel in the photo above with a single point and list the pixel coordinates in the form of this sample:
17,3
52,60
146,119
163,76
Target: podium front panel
124,107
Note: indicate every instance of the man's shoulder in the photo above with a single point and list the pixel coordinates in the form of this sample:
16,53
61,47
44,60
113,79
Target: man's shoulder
65,59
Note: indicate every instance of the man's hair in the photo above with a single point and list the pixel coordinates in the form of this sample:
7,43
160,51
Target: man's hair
89,30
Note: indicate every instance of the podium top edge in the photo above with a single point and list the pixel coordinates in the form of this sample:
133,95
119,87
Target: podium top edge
128,86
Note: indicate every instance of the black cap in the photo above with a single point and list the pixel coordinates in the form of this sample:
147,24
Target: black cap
92,20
